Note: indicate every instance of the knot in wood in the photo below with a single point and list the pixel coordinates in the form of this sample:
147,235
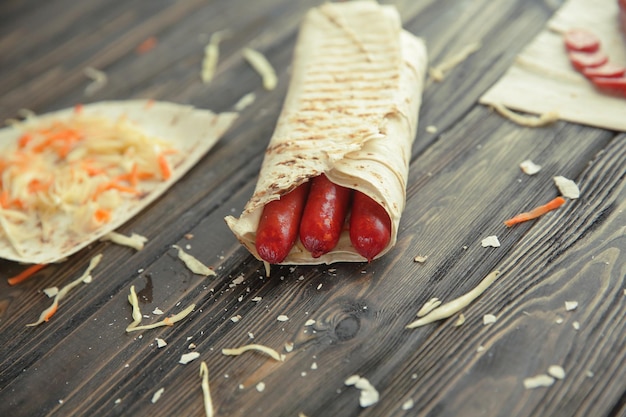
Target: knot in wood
347,328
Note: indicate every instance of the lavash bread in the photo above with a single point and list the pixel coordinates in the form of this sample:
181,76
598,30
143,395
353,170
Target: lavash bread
350,112
192,132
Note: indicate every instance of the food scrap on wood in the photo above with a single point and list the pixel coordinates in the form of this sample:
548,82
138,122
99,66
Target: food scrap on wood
255,347
99,80
437,73
528,167
206,391
185,358
147,45
25,274
244,102
452,307
536,212
211,56
137,316
543,119
84,278
490,241
193,264
567,187
258,61
369,395
134,241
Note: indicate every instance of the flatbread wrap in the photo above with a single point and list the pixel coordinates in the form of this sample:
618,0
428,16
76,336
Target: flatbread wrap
72,176
350,113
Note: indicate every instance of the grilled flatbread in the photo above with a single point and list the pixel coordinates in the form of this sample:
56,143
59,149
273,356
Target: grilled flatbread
72,176
351,113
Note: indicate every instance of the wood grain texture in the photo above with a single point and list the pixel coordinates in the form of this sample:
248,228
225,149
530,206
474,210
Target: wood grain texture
464,181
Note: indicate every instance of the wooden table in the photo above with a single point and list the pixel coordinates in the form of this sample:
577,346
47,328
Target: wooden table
464,181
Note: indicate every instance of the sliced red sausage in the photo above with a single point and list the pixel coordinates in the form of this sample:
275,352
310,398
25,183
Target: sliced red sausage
606,70
615,85
581,40
370,226
324,216
278,227
582,60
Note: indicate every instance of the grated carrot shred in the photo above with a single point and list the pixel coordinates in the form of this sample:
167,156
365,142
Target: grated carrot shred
50,312
164,166
4,199
102,215
36,185
24,140
536,212
147,45
25,274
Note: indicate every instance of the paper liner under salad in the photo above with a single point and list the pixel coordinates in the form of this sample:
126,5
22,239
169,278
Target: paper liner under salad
350,113
70,177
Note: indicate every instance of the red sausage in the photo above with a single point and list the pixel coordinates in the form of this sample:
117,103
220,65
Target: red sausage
370,226
278,227
324,215
606,70
581,40
582,60
615,85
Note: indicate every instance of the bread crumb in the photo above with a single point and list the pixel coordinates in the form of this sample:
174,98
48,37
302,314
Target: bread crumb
157,395
537,381
460,320
556,371
408,404
528,167
369,395
489,319
571,305
429,306
490,241
185,358
567,187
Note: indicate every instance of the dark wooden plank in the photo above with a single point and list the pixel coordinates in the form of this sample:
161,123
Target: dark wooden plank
464,181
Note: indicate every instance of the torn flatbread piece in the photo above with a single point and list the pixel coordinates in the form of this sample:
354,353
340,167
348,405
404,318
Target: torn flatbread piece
543,80
350,113
72,176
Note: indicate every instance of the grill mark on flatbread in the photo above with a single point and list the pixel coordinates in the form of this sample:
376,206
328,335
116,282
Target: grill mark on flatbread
343,25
